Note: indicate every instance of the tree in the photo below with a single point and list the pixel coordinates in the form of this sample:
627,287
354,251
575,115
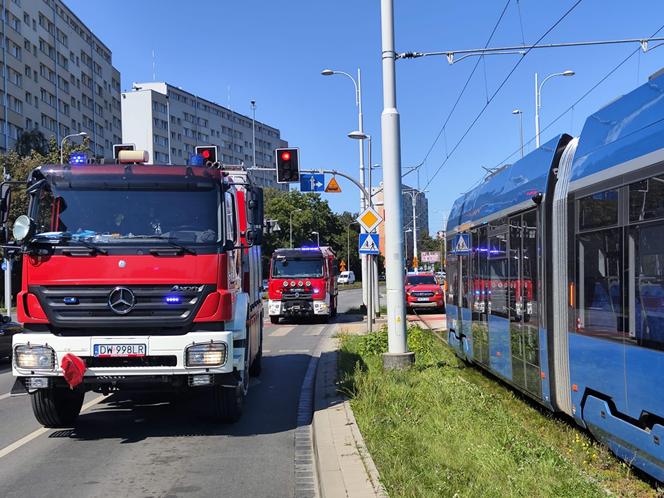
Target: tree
29,141
309,213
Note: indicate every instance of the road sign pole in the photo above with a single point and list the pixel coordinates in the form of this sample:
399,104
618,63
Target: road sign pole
397,356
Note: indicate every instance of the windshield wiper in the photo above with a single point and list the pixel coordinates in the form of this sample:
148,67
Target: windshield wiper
167,239
67,237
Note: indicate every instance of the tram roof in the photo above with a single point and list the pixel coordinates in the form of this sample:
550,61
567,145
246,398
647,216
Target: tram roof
507,188
627,128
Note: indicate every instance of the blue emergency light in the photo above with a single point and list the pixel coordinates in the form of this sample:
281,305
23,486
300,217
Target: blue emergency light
173,299
78,158
196,160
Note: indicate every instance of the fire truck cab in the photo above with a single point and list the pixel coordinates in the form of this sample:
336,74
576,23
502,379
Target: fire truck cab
137,277
303,283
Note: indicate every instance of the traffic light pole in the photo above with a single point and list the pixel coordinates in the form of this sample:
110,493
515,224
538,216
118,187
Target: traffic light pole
398,356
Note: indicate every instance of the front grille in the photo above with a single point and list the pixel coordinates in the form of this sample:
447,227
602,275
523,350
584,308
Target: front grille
135,361
422,293
88,306
296,294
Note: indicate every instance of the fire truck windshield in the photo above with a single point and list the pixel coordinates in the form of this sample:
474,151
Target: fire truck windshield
297,268
126,214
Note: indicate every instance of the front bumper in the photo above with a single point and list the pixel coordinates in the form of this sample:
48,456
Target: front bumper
161,350
425,304
298,307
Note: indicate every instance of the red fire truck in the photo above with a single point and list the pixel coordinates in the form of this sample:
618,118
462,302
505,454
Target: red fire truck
303,283
138,277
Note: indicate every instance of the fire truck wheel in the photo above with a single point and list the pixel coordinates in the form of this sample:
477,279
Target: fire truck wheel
257,366
274,319
227,402
56,407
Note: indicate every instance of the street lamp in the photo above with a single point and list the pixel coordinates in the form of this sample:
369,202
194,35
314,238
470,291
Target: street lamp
519,112
317,237
538,100
372,271
62,143
290,223
413,197
360,123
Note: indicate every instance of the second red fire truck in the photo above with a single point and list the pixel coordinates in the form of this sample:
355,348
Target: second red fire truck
303,283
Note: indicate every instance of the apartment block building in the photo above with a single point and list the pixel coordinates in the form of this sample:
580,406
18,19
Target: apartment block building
170,122
56,76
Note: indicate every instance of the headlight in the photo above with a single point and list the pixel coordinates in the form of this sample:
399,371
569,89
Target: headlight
22,227
209,354
34,357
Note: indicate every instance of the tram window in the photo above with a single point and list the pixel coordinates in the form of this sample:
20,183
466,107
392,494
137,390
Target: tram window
529,263
599,292
498,268
451,274
648,288
598,210
646,199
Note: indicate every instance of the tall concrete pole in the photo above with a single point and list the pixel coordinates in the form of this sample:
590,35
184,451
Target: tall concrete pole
537,107
397,355
363,200
413,196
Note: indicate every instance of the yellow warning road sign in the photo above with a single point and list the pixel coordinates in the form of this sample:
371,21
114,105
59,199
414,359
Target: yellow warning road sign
333,186
369,219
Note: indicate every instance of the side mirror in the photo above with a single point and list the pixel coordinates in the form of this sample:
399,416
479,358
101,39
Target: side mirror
5,202
254,237
23,228
255,206
229,245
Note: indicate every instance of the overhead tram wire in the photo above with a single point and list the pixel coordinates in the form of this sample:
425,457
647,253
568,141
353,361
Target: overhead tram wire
463,90
582,97
502,84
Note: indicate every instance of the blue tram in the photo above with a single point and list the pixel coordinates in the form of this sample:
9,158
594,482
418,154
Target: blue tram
555,274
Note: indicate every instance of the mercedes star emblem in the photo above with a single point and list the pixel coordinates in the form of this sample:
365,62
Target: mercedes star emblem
121,300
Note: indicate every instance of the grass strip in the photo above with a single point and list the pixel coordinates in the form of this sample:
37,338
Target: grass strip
445,429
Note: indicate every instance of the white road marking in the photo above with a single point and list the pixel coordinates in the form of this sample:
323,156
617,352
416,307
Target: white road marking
26,439
315,330
5,396
282,331
267,351
299,351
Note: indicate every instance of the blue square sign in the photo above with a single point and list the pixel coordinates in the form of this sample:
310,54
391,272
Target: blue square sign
312,182
369,243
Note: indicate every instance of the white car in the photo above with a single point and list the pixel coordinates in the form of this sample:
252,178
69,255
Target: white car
346,277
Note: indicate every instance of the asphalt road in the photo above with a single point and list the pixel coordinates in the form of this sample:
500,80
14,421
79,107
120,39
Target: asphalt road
151,446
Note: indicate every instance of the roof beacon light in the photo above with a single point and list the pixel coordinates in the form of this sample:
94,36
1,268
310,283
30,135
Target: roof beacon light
78,158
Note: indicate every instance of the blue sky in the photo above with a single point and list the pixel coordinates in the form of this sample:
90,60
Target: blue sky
273,52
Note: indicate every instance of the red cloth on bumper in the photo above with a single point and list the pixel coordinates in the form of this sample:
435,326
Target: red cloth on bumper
73,368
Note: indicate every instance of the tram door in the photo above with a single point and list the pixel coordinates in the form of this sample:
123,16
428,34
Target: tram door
480,290
522,292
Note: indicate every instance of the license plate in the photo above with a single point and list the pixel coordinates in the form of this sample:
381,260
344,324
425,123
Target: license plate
128,350
423,299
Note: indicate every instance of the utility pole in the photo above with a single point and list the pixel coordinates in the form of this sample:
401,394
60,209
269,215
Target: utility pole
398,355
253,136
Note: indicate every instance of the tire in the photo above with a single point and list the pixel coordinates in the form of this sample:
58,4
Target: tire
274,319
56,407
257,365
333,311
227,402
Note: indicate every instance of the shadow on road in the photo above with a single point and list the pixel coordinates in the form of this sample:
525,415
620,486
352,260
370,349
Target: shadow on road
270,407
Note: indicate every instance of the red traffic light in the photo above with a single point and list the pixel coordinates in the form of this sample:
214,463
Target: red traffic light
285,156
205,153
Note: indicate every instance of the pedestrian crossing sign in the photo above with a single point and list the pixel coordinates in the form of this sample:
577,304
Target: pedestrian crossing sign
461,243
369,243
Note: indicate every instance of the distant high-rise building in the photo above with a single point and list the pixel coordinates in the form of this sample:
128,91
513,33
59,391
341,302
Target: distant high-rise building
56,76
170,122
